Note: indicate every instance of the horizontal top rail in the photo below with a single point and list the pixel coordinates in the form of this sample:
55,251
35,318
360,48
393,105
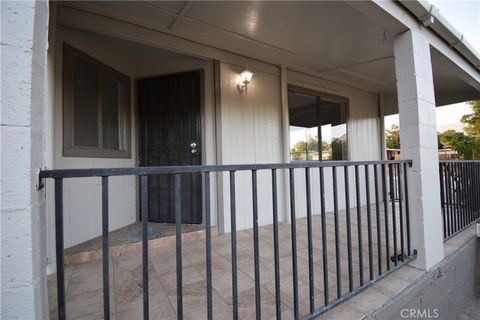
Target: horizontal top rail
101,172
459,161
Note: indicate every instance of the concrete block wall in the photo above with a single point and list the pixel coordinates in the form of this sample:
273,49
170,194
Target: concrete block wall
444,291
24,43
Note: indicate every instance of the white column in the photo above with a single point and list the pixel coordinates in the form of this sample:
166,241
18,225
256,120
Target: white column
23,245
418,140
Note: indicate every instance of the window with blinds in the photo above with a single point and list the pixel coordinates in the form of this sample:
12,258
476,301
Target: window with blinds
96,108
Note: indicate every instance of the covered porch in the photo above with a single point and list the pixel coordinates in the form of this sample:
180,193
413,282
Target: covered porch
295,240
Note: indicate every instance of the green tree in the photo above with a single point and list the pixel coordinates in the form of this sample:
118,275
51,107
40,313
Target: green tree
392,137
308,150
468,147
339,149
312,143
439,142
303,149
472,120
298,149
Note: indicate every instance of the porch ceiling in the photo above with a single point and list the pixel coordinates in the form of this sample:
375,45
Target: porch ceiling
334,40
451,83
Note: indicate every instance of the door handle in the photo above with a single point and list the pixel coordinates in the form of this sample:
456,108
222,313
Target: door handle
193,147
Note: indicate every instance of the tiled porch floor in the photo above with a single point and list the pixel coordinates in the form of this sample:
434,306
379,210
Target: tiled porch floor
84,281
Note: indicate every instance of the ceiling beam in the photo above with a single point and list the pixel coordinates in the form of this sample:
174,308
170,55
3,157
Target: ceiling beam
365,62
181,15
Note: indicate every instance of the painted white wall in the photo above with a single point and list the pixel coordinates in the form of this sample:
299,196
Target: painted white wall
24,27
364,134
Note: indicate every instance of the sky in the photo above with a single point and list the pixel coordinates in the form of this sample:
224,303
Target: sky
465,17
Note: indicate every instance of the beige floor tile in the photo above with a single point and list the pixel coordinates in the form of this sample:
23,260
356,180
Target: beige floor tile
159,308
408,273
195,302
222,283
367,301
189,276
88,305
342,312
247,306
391,285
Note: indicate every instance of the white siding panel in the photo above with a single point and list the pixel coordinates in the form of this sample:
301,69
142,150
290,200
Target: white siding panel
364,129
251,129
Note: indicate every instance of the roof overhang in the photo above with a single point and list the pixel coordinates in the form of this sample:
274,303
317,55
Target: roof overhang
431,17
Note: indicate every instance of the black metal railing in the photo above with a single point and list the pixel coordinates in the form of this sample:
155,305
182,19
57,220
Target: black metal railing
395,190
459,194
387,246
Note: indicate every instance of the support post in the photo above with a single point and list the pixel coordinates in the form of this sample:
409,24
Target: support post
418,141
22,131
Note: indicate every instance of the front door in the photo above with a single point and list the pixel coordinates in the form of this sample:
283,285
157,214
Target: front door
170,135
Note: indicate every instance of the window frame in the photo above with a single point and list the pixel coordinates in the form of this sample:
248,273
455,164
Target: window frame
320,96
124,122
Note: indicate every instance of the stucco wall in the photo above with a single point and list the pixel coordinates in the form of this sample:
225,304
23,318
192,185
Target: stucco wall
24,43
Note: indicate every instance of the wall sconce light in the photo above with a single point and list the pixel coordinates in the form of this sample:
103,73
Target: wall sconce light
245,78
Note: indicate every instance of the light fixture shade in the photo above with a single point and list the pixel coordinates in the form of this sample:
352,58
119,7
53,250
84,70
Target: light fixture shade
246,76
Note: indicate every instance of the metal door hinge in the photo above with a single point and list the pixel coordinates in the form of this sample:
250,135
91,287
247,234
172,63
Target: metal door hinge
39,184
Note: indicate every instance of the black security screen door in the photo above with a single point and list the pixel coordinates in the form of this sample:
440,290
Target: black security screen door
170,136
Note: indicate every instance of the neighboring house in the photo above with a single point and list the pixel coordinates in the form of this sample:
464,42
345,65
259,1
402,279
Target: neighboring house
139,84
393,154
443,154
447,154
